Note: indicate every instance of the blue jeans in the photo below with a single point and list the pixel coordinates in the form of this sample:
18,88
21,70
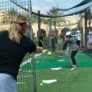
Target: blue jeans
7,83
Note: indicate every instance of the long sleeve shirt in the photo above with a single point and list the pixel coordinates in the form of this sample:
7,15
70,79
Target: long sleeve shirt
72,43
11,53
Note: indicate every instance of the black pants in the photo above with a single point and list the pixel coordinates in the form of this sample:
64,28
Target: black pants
53,44
73,53
78,42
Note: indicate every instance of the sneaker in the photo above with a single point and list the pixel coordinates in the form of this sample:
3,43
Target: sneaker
73,67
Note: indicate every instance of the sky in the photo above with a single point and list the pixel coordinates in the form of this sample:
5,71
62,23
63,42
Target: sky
45,5
58,3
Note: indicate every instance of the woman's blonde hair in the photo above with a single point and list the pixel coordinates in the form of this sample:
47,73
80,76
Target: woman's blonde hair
15,29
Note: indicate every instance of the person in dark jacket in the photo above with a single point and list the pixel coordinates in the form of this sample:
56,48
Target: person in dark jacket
72,44
41,34
13,47
53,38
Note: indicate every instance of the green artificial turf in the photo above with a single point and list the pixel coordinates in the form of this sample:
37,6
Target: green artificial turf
48,61
68,81
79,80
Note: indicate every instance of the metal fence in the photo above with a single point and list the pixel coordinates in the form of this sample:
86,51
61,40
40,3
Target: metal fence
8,8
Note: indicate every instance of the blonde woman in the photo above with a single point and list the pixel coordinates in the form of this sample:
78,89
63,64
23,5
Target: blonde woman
13,46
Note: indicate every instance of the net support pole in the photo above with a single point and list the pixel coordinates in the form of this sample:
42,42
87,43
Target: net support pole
30,19
34,85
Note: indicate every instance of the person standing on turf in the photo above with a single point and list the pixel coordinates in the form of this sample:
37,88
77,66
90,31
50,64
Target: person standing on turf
73,45
53,39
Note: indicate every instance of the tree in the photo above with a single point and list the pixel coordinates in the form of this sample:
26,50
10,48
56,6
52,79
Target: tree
12,12
87,17
54,12
8,15
55,21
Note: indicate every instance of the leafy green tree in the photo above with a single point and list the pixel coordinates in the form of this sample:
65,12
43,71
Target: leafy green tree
54,12
55,21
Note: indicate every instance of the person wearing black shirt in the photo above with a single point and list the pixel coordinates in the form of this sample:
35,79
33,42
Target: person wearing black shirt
13,47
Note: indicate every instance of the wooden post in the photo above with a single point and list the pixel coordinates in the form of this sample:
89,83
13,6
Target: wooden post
39,20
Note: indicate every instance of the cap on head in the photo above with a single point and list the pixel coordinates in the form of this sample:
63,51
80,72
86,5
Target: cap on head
19,18
68,33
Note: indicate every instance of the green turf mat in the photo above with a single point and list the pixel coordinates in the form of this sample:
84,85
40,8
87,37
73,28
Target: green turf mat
46,61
